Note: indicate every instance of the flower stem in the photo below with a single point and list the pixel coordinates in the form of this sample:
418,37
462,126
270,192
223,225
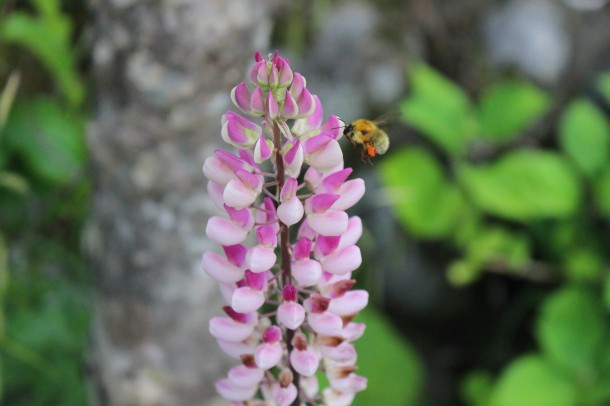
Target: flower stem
284,246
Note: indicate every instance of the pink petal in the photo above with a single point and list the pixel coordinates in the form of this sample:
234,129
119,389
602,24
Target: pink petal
272,334
291,110
267,212
344,352
284,396
268,355
262,151
328,280
291,315
302,248
245,318
305,231
256,281
247,300
313,177
351,383
327,157
350,303
310,386
336,289
351,192
253,76
216,190
314,119
289,293
304,362
260,258
241,217
273,109
353,232
217,171
252,181
342,261
228,390
289,189
247,157
235,349
326,245
234,134
332,182
274,77
307,272
220,268
232,161
297,86
316,143
286,74
291,211
224,232
330,223
353,331
236,254
333,397
242,376
293,159
319,203
334,126
266,236
237,195
306,103
241,97
316,303
224,328
262,75
257,102
326,324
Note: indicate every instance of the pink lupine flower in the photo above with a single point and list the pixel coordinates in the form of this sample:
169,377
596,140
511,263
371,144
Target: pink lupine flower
290,313
303,287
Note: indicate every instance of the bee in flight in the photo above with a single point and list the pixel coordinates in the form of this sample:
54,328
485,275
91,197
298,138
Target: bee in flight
373,139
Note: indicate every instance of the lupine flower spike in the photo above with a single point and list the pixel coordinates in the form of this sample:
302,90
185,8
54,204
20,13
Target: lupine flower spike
290,305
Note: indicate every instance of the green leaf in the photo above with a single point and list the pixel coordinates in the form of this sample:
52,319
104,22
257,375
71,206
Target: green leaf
584,135
532,381
523,185
583,264
607,296
424,202
476,388
48,138
570,328
463,273
14,182
509,108
48,38
603,84
394,372
439,109
7,97
601,192
492,245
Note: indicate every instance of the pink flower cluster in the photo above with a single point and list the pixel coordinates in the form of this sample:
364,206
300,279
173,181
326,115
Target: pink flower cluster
290,305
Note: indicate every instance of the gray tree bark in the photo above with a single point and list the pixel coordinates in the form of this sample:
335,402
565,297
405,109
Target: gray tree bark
163,72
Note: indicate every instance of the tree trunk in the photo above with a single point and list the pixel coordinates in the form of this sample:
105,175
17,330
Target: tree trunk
163,73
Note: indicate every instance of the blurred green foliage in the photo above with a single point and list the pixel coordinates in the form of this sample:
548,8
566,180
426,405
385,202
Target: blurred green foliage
382,350
44,284
511,195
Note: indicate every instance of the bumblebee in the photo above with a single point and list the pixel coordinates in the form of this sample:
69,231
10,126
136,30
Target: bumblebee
374,140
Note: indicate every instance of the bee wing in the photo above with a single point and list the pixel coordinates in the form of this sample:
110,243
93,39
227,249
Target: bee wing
389,117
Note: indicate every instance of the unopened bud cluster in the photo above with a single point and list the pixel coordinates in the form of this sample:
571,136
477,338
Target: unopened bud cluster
290,304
